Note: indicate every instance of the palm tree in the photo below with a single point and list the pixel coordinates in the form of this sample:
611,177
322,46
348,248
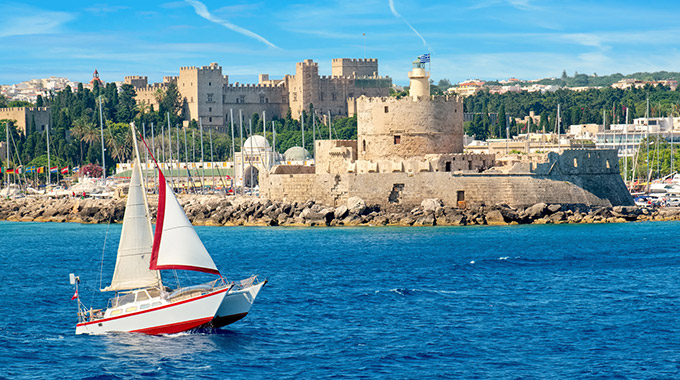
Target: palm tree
82,128
119,142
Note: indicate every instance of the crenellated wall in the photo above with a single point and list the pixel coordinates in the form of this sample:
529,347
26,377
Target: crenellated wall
23,116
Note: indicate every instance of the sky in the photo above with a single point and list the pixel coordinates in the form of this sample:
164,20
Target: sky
467,39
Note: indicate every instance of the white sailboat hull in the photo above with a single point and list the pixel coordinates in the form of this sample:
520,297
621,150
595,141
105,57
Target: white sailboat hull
236,305
169,318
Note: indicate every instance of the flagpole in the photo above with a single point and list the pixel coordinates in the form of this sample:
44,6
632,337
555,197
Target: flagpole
153,147
212,163
179,158
7,174
276,158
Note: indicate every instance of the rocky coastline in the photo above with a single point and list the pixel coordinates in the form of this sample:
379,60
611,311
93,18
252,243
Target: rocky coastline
211,210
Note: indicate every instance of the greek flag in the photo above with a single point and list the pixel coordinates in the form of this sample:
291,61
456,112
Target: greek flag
424,58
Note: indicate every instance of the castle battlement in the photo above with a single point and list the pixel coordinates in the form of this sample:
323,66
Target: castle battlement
32,109
355,60
307,62
394,100
250,86
136,77
213,66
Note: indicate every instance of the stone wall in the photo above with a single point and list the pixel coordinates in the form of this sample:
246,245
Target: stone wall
594,184
390,128
348,67
25,115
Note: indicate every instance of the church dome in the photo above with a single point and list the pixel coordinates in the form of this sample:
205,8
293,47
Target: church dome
256,144
296,153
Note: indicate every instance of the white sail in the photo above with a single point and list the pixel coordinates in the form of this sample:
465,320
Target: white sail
136,238
176,244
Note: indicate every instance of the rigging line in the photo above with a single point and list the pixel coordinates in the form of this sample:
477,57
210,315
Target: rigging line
101,262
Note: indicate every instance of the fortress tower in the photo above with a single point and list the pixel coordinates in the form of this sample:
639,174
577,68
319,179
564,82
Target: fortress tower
202,89
420,80
390,128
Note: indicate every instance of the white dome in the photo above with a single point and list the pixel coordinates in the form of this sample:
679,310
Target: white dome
296,153
256,144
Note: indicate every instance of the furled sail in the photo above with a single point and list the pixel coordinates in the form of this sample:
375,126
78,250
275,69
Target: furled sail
176,244
136,238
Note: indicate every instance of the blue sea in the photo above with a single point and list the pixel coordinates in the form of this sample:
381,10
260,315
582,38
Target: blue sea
548,301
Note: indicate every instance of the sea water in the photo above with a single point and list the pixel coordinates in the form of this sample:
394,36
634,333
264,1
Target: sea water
565,301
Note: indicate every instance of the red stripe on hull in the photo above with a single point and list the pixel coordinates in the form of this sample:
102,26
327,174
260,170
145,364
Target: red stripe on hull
173,328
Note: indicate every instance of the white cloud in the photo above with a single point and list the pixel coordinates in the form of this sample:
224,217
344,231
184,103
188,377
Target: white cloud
25,20
202,11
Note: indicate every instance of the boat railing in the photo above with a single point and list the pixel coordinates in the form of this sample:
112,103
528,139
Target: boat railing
187,292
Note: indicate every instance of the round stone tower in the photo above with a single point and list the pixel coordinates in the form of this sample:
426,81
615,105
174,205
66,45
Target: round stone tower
420,81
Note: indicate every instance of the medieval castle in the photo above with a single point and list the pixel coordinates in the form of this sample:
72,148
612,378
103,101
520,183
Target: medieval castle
207,94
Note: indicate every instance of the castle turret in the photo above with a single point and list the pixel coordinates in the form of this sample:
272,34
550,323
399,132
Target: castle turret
420,80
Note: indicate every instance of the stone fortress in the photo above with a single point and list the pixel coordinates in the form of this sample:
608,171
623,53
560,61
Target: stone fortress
411,149
207,94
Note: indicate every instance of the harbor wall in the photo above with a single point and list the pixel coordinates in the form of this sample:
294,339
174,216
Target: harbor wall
578,177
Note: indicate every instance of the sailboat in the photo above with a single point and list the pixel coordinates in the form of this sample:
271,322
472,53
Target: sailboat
142,303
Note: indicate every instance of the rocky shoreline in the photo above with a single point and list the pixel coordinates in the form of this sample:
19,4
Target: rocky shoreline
246,211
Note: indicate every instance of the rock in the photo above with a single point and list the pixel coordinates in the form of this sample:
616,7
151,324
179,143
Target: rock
495,217
356,205
340,212
553,208
536,211
431,204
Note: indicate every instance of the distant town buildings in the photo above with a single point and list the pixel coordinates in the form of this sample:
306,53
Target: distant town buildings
28,91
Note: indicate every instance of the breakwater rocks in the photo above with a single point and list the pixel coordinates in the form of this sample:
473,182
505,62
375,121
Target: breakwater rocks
237,211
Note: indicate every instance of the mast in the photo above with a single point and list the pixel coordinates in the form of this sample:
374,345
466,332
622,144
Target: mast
330,122
179,156
7,174
162,142
240,123
264,134
649,164
212,163
302,127
625,150
49,172
313,135
250,155
233,147
153,148
146,159
101,128
274,143
200,123
172,180
557,123
186,158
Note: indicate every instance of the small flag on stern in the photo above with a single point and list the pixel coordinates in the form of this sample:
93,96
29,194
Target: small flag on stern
64,170
75,295
424,58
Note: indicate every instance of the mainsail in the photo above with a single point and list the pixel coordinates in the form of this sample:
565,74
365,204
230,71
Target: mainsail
136,238
176,244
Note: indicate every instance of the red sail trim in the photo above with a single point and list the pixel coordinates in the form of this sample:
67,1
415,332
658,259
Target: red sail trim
160,216
188,267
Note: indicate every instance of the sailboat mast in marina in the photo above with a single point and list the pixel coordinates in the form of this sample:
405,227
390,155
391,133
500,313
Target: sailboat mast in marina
142,303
